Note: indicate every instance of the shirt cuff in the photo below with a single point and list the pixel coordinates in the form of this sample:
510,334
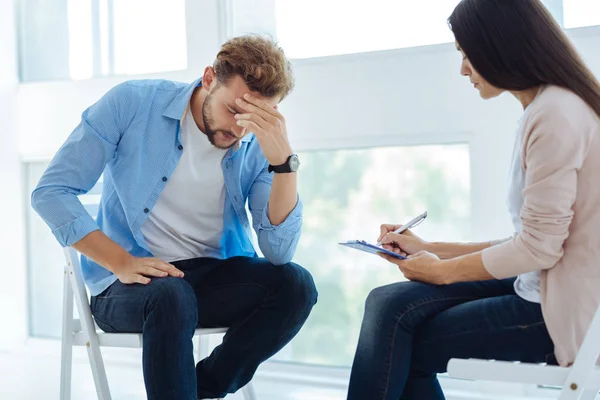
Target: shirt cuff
76,230
289,227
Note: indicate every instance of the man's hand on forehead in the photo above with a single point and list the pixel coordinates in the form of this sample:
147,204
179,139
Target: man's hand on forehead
268,125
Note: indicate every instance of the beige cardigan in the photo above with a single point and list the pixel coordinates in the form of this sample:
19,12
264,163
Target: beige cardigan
560,214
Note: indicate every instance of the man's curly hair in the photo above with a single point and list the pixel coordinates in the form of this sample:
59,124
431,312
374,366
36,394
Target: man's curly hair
259,61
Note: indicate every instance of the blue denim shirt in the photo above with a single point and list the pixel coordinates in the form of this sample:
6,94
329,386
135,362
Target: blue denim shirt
132,136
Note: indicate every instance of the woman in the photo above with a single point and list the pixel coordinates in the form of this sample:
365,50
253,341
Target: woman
530,297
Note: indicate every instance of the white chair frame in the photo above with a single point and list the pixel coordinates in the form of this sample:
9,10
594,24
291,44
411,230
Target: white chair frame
85,332
580,381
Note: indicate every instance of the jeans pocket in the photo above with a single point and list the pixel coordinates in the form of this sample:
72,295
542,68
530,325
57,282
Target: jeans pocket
96,306
104,326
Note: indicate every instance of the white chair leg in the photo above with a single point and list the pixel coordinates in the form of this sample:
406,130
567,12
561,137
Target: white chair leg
66,356
587,394
248,391
88,327
203,350
98,371
585,362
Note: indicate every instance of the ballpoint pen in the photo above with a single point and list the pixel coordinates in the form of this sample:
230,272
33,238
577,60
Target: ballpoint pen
413,222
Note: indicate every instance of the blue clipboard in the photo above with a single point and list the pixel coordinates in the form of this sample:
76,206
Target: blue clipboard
369,248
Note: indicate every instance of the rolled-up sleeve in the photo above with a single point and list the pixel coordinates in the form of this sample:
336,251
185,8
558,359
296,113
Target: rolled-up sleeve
278,243
78,164
553,152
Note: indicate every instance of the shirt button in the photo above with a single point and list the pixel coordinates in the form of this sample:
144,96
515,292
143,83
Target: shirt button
146,210
180,147
164,178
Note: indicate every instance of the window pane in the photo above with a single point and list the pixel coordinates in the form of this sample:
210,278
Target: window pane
45,262
149,36
580,13
45,259
313,28
80,39
81,53
43,40
347,194
556,9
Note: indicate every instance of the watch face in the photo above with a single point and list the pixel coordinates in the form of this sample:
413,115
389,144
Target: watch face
294,163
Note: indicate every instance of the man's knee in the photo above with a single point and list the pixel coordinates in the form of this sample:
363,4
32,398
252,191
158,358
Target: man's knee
297,285
173,301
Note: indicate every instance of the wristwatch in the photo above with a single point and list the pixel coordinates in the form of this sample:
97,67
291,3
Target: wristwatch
291,165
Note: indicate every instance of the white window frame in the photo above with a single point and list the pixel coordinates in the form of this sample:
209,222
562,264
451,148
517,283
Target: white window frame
96,38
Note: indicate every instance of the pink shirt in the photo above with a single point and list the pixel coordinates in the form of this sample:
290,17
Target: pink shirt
560,235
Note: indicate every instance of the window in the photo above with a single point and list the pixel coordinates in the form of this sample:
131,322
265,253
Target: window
347,194
80,39
45,259
315,28
579,13
574,13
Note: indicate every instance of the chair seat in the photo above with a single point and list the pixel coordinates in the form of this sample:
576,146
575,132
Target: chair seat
130,340
492,370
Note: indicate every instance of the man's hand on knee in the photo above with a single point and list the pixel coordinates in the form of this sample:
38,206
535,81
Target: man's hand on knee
139,270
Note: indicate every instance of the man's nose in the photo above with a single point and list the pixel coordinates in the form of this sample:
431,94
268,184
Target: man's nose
239,131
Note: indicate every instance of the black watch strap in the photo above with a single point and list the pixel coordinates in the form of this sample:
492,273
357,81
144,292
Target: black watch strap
291,165
280,169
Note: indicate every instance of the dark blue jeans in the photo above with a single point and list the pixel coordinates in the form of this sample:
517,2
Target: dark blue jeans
411,330
263,305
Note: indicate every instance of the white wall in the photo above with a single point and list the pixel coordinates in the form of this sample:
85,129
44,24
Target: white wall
397,97
12,264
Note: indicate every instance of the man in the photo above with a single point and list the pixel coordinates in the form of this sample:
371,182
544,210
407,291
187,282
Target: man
171,248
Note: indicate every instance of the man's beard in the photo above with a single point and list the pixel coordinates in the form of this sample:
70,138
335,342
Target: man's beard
208,122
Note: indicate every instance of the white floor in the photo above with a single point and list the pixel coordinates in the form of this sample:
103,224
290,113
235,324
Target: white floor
34,373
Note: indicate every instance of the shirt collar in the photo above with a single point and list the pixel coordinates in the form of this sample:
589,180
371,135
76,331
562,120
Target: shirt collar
176,108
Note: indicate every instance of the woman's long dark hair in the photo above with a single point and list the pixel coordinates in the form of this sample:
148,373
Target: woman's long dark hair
517,45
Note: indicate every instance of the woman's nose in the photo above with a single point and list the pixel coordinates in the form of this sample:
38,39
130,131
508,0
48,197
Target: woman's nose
464,69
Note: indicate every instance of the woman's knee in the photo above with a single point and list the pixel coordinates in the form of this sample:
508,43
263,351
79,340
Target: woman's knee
394,303
395,297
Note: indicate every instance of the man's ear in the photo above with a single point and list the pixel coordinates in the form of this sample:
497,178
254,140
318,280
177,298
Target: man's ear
209,79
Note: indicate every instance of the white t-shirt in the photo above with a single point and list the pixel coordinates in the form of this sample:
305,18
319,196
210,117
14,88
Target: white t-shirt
187,219
527,285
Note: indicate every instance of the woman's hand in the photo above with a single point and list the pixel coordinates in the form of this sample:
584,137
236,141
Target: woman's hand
401,243
421,266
